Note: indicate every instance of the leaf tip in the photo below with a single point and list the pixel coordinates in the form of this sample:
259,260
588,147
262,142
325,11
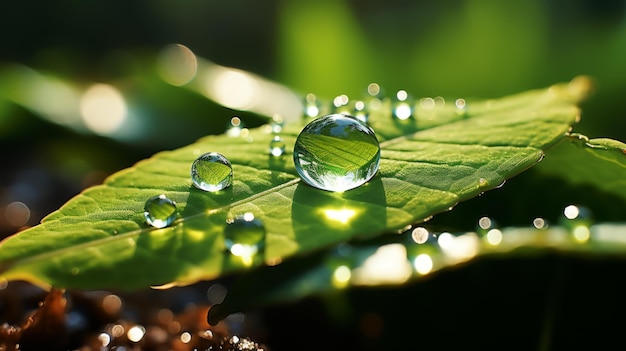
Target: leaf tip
581,87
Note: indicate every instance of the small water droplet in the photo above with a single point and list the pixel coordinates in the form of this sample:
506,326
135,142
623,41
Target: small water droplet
402,107
482,182
540,223
244,237
439,101
374,90
421,235
211,172
312,106
461,107
577,220
277,146
340,104
487,229
422,249
360,112
340,262
160,211
277,124
235,127
336,153
484,225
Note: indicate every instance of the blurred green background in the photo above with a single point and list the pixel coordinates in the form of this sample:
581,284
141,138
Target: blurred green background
54,52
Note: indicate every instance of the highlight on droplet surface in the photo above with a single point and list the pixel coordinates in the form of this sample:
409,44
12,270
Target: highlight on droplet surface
336,153
277,146
211,172
244,237
160,211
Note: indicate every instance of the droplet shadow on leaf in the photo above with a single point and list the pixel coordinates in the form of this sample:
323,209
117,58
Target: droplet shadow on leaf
334,215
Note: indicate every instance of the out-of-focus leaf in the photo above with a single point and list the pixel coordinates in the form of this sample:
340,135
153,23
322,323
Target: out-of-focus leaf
582,161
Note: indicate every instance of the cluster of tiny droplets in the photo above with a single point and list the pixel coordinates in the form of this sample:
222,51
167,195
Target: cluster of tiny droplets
277,145
403,105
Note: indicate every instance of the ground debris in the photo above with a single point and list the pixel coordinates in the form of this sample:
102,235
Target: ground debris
99,321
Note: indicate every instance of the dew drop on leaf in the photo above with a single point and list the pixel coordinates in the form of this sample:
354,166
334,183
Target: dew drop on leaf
336,153
461,106
488,230
312,106
577,220
277,124
211,172
360,112
485,224
402,107
235,127
277,146
422,249
160,211
244,237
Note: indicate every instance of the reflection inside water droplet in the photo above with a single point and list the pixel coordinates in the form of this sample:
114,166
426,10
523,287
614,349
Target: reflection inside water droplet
244,237
336,153
159,211
211,172
277,146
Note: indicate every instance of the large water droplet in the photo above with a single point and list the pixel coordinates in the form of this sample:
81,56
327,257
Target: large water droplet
211,172
160,211
277,146
244,237
336,153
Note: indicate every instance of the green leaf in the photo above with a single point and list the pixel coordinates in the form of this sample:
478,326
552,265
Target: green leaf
582,161
99,239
